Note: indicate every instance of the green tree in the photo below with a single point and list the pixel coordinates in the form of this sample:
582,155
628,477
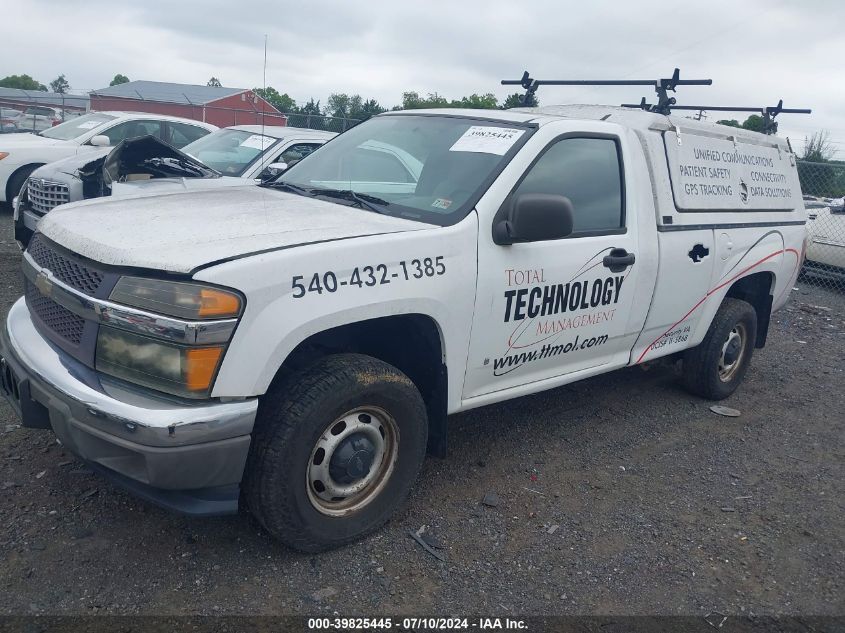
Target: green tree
119,79
755,123
60,85
817,147
312,107
346,106
515,101
484,102
340,105
214,82
369,108
282,102
22,82
413,101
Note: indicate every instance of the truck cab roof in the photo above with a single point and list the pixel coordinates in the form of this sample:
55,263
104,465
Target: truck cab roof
632,118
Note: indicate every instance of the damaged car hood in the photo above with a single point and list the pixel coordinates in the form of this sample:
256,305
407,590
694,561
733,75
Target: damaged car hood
183,231
149,156
172,185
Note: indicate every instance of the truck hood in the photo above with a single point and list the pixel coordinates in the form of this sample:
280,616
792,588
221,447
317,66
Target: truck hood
183,231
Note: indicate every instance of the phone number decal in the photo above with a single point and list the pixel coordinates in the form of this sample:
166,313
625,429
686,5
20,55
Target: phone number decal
368,276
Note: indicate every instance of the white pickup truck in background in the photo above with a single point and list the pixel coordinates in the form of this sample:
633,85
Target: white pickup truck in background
298,345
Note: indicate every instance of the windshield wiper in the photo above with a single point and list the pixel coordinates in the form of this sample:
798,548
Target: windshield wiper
276,184
363,200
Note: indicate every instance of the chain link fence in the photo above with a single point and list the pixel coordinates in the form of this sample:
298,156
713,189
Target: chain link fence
823,185
320,122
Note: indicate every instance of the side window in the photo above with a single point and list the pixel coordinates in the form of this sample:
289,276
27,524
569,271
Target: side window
132,129
589,173
296,153
180,134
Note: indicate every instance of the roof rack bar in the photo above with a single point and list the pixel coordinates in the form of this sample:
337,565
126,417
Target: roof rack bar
730,108
661,86
769,113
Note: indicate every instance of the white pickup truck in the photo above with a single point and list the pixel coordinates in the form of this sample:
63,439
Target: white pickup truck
297,346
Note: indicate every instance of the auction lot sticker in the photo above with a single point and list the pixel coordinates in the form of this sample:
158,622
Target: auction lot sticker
716,174
487,140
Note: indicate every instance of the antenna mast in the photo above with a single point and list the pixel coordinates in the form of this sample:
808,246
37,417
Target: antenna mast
264,98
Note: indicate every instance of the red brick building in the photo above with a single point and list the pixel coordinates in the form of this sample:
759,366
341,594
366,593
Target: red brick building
216,105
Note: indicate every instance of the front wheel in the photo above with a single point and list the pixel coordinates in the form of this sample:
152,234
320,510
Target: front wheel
715,367
335,452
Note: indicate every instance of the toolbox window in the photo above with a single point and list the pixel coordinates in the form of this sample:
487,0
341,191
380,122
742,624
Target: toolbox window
588,172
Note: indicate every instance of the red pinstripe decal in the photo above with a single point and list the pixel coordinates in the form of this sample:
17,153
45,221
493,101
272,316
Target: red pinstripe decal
716,289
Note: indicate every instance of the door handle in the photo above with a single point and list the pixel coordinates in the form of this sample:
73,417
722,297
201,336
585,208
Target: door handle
618,260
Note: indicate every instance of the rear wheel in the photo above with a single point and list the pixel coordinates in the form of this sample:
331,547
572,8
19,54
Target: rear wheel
716,367
335,452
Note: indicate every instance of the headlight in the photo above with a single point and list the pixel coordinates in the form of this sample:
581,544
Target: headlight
177,369
177,299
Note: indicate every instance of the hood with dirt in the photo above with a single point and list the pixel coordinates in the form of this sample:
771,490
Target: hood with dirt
183,231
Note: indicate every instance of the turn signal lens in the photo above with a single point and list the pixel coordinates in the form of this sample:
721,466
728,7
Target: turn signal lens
218,303
3,155
179,299
200,365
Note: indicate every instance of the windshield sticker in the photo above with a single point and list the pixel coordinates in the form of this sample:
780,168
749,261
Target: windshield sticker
487,140
256,141
441,203
88,125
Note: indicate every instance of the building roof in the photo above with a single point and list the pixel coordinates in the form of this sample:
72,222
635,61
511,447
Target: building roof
38,97
161,91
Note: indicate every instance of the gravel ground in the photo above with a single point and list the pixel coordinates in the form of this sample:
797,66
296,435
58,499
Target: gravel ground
618,495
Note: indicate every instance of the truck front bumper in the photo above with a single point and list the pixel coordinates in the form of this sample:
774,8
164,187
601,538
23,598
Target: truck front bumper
187,457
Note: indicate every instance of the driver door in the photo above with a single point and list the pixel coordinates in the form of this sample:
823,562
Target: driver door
548,309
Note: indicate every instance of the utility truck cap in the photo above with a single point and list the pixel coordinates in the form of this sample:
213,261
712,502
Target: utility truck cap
298,345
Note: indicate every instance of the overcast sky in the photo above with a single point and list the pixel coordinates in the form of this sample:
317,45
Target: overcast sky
756,51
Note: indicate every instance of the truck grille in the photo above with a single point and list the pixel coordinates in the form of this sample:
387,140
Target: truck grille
57,318
72,273
45,195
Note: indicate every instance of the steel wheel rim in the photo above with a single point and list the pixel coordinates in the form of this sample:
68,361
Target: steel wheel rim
728,367
373,426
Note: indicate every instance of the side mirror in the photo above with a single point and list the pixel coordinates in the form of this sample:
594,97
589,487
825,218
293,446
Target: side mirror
101,140
272,170
535,217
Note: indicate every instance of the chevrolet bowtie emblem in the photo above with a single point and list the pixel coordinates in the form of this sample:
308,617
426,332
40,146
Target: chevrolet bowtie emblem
44,285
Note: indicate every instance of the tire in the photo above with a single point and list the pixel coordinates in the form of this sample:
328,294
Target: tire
16,181
707,370
364,398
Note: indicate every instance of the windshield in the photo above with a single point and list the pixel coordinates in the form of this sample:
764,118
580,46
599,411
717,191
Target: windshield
421,167
229,151
77,127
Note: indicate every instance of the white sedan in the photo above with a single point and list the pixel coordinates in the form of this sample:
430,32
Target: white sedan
20,154
144,167
826,248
